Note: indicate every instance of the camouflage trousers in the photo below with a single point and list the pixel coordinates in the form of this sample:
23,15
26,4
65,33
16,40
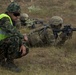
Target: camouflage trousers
9,48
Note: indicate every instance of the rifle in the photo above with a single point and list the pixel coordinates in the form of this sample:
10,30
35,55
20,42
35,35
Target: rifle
35,22
43,28
67,30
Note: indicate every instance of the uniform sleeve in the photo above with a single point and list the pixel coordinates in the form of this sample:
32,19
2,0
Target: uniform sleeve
6,26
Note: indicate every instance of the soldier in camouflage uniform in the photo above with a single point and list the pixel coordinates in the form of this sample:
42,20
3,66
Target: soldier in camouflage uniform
26,21
23,18
29,23
44,36
12,44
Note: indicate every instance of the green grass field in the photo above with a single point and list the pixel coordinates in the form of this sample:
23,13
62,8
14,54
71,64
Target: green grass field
48,60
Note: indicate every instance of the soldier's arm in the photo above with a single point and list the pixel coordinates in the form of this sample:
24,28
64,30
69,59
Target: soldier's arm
6,26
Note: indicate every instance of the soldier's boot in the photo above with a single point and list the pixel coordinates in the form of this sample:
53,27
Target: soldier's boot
10,65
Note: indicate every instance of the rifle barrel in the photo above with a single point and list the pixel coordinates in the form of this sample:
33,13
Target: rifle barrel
73,29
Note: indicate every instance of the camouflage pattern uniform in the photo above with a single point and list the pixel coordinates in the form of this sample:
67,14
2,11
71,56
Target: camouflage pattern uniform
46,36
9,47
38,37
26,21
16,36
29,23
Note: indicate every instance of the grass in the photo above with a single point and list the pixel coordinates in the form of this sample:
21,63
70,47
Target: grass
46,61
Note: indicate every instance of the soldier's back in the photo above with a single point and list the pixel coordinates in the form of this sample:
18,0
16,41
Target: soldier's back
41,37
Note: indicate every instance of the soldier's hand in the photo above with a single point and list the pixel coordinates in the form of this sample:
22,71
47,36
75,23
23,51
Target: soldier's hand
23,50
25,37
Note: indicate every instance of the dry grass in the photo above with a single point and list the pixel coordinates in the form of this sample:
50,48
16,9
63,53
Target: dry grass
46,61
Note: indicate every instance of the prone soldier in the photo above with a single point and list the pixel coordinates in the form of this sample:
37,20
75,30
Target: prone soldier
27,22
46,35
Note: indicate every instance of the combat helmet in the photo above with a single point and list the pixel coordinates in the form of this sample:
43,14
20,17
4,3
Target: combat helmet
24,16
13,7
56,20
